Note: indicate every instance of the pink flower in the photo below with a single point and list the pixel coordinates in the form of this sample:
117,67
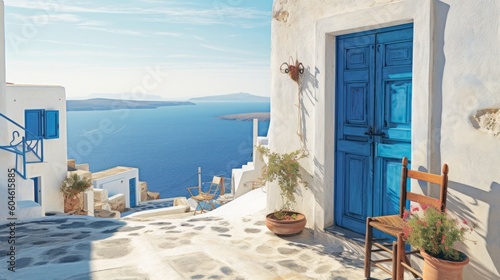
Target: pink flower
424,206
406,215
465,222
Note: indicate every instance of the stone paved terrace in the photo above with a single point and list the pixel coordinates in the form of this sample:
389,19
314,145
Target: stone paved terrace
231,242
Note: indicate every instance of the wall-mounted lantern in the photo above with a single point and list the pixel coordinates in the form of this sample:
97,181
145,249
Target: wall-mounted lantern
292,70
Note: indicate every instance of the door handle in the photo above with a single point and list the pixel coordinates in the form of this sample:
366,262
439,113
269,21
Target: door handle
371,133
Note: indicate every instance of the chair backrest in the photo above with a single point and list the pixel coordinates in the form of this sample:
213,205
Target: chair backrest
216,185
440,180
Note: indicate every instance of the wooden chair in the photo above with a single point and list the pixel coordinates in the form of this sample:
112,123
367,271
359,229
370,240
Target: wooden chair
393,224
205,200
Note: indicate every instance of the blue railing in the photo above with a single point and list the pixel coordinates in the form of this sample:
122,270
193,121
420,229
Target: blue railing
26,151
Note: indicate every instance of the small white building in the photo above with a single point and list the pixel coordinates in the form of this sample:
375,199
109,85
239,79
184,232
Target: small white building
119,180
385,79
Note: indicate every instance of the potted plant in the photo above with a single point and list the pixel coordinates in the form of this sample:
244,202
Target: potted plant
72,187
285,169
435,233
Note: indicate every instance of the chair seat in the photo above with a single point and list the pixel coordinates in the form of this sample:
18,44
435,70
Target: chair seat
203,196
392,224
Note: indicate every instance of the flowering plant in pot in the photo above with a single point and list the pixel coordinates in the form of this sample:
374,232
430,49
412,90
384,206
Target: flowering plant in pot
435,233
71,188
285,169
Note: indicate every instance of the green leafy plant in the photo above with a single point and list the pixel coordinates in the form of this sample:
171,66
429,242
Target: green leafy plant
74,185
71,187
284,168
435,232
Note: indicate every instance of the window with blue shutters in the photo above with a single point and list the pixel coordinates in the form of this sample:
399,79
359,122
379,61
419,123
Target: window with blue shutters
41,124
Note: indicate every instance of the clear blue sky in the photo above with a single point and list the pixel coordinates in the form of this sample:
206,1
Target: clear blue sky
171,48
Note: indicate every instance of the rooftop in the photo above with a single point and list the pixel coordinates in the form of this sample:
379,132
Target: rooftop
230,242
111,171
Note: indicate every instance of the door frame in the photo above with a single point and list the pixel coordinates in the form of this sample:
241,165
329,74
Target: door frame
386,15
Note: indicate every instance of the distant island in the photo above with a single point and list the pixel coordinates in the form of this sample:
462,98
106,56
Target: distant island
96,104
233,97
261,116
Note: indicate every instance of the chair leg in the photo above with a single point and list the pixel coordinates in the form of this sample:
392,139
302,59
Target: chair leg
198,205
401,257
395,260
368,248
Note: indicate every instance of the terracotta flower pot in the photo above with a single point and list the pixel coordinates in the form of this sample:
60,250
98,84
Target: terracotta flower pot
439,269
286,227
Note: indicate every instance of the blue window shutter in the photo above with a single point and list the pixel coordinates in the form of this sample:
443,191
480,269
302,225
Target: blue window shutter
33,124
51,124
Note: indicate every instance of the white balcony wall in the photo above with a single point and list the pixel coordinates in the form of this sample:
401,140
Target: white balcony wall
52,171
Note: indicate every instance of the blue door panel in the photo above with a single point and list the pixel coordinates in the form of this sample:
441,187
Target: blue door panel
133,192
373,122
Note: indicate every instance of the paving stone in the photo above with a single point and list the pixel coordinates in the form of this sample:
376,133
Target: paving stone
60,234
101,224
226,270
74,225
81,236
306,258
113,230
204,219
55,252
225,235
220,229
55,221
160,223
323,269
39,242
173,231
167,228
252,230
287,251
112,248
199,227
133,234
69,259
264,249
259,223
23,262
186,225
293,266
198,276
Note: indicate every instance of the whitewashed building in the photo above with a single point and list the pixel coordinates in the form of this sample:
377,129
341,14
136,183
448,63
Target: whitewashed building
33,142
382,80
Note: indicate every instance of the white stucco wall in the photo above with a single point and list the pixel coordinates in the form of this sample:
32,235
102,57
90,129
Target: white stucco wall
455,73
119,184
52,171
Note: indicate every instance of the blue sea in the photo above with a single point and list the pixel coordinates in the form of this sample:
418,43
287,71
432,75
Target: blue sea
166,144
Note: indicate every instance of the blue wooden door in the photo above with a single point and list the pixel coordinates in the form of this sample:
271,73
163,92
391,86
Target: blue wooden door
36,190
373,122
133,192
